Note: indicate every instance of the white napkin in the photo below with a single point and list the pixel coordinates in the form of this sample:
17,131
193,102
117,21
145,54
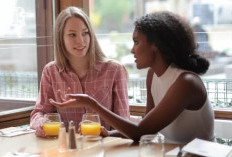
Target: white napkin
20,154
207,148
172,153
14,131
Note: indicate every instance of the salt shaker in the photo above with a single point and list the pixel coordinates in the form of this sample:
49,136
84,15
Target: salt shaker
72,136
62,138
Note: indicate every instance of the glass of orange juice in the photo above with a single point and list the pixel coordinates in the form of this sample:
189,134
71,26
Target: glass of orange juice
51,124
91,124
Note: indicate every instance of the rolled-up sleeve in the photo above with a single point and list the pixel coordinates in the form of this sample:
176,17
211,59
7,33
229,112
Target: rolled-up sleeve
42,104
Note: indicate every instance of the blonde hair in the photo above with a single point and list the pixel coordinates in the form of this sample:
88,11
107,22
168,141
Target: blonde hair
95,53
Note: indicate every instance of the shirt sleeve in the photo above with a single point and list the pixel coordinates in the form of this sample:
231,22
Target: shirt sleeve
42,105
120,93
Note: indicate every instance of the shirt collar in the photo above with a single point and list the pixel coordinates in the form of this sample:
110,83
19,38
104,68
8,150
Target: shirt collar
97,67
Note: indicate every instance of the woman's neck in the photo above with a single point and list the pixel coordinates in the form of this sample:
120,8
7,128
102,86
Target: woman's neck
160,66
80,66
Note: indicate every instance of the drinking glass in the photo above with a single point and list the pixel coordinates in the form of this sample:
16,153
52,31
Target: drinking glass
91,124
51,124
152,145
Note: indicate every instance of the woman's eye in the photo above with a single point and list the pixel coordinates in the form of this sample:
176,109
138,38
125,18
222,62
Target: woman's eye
135,42
86,33
71,35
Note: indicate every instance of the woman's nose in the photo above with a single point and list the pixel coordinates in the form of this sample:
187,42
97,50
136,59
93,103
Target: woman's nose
79,39
132,50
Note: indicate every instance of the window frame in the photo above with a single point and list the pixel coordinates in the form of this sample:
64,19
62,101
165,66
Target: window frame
44,55
46,11
14,117
139,110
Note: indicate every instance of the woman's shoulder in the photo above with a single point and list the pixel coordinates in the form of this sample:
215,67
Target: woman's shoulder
191,89
191,81
190,78
51,66
112,64
184,76
194,86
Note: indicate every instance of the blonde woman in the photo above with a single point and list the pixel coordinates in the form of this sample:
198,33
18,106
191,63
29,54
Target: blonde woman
81,68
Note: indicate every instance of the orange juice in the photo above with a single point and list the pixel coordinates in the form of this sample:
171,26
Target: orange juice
51,128
91,128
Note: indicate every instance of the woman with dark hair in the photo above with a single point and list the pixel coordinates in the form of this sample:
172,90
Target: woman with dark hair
177,101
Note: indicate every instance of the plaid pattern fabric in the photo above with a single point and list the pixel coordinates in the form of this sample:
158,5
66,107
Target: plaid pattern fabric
107,83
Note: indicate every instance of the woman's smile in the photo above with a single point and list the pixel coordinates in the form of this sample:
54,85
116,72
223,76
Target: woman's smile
81,49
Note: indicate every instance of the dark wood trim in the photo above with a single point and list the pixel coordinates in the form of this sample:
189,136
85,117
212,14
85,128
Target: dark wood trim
84,4
223,114
44,33
136,110
56,8
65,3
16,122
15,117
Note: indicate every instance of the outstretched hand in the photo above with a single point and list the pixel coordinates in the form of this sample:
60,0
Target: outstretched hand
63,98
68,103
74,100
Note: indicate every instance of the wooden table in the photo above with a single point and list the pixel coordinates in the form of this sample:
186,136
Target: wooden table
112,147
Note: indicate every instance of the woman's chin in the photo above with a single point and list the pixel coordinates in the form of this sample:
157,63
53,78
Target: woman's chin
139,67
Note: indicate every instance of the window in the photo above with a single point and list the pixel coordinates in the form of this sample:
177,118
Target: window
114,27
25,47
26,41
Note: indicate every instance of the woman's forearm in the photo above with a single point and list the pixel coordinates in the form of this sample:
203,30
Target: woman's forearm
115,133
125,127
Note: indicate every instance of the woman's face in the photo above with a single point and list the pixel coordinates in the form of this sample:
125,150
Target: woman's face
76,37
143,51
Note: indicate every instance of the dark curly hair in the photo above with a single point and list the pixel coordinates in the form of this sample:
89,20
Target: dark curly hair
174,38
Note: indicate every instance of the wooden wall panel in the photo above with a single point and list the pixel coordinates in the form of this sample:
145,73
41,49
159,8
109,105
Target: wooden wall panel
15,118
84,4
44,32
66,3
220,114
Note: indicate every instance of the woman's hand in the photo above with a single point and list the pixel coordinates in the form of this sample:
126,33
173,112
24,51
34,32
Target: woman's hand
68,103
62,100
60,97
39,130
74,100
104,132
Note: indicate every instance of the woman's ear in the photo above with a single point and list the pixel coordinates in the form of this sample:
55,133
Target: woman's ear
154,48
156,51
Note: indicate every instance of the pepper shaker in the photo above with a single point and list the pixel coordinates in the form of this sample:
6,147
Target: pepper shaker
72,136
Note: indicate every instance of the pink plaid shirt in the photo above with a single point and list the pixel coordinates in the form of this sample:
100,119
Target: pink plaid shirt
108,85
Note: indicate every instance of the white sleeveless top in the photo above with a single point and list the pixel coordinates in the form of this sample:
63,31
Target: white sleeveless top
189,124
